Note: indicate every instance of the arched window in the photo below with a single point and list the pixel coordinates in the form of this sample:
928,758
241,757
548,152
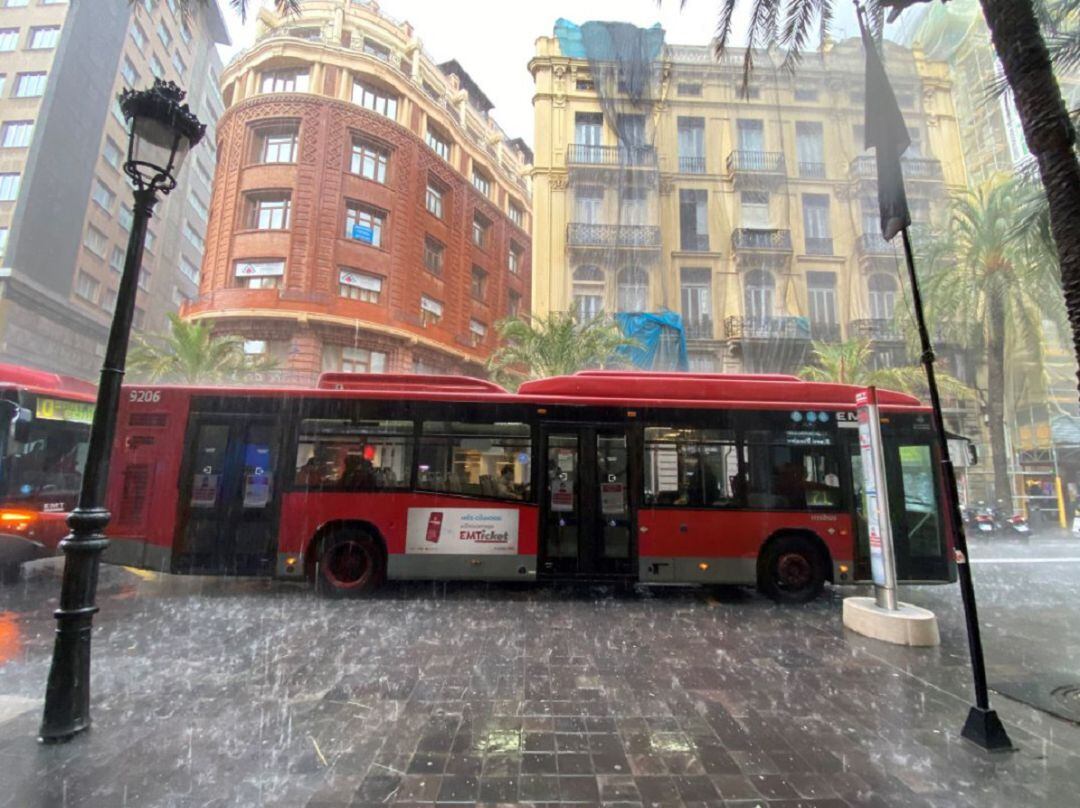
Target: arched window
588,293
632,290
760,294
882,296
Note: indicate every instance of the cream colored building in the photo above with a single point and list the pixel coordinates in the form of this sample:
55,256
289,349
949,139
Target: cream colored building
754,218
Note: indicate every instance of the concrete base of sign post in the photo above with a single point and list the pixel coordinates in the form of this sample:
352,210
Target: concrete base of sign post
908,625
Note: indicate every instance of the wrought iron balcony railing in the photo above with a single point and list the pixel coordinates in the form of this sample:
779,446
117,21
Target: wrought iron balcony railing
785,328
700,328
694,242
589,155
874,244
874,328
818,246
824,332
612,235
756,161
754,238
915,168
814,171
692,165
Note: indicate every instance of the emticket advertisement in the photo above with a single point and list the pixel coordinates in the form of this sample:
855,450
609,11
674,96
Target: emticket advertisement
462,531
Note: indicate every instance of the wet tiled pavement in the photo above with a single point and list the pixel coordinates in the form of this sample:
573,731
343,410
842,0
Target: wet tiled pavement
245,693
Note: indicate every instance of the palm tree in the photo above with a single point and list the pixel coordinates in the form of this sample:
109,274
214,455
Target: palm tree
554,345
284,7
1025,60
852,362
191,354
988,290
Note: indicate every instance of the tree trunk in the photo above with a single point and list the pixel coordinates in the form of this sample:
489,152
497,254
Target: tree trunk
995,398
1048,131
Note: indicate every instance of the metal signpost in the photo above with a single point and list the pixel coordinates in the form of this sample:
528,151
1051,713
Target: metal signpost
876,500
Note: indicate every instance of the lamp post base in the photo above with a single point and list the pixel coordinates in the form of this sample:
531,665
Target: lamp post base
984,728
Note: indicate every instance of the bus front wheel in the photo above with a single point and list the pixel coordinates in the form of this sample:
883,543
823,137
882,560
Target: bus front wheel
351,564
791,570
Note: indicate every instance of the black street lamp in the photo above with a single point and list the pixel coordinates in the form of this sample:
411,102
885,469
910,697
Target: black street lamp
162,130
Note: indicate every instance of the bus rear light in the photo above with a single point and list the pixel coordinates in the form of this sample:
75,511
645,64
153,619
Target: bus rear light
843,569
703,566
15,520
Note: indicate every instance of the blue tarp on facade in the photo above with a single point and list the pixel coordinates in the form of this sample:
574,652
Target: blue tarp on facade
660,337
606,40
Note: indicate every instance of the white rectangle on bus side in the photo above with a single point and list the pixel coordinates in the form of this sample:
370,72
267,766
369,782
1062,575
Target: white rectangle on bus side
462,531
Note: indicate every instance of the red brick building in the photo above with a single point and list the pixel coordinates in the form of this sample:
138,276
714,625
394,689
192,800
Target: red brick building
367,213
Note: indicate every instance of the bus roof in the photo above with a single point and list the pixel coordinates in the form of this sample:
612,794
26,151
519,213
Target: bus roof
598,388
45,383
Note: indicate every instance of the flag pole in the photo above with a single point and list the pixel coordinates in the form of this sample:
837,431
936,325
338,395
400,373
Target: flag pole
983,727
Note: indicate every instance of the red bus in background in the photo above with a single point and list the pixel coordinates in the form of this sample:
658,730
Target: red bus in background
636,477
44,431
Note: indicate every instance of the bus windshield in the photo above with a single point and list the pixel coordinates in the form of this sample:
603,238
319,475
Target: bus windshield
42,462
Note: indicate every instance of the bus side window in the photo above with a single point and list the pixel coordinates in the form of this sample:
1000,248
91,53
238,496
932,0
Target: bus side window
695,468
353,455
491,460
785,477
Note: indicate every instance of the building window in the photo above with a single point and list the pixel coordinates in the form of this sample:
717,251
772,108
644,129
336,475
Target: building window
178,63
478,283
268,210
760,293
291,80
806,94
277,143
138,318
810,149
694,220
375,99
816,224
754,210
751,138
129,73
44,37
517,215
103,195
87,286
588,293
9,187
9,39
477,332
3,241
434,253
481,183
692,89
433,200
179,298
368,160
588,204
821,297
588,136
95,241
16,3
343,359
696,292
125,217
431,310
185,33
108,300
513,258
691,135
194,238
260,274
189,269
197,205
116,260
359,285
29,85
112,154
480,230
138,36
513,304
156,67
376,49
364,224
632,289
149,243
164,35
439,144
882,296
16,134
144,279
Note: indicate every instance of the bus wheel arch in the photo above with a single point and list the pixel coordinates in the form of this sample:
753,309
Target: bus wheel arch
793,566
346,558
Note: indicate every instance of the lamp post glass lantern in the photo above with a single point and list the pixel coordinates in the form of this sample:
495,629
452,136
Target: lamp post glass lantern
161,132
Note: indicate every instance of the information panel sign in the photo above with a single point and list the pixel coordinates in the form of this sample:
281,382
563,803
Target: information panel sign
451,531
876,498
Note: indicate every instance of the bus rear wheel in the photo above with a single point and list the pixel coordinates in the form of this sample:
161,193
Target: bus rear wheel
791,570
351,564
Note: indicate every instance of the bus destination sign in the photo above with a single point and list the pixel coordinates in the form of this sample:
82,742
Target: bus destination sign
59,409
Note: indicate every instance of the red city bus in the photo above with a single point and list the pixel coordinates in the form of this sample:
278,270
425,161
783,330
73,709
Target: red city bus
44,431
636,477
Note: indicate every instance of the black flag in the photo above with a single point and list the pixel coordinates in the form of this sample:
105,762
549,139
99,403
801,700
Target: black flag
887,133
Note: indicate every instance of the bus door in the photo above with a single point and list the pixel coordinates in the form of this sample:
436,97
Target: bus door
586,509
916,512
230,496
